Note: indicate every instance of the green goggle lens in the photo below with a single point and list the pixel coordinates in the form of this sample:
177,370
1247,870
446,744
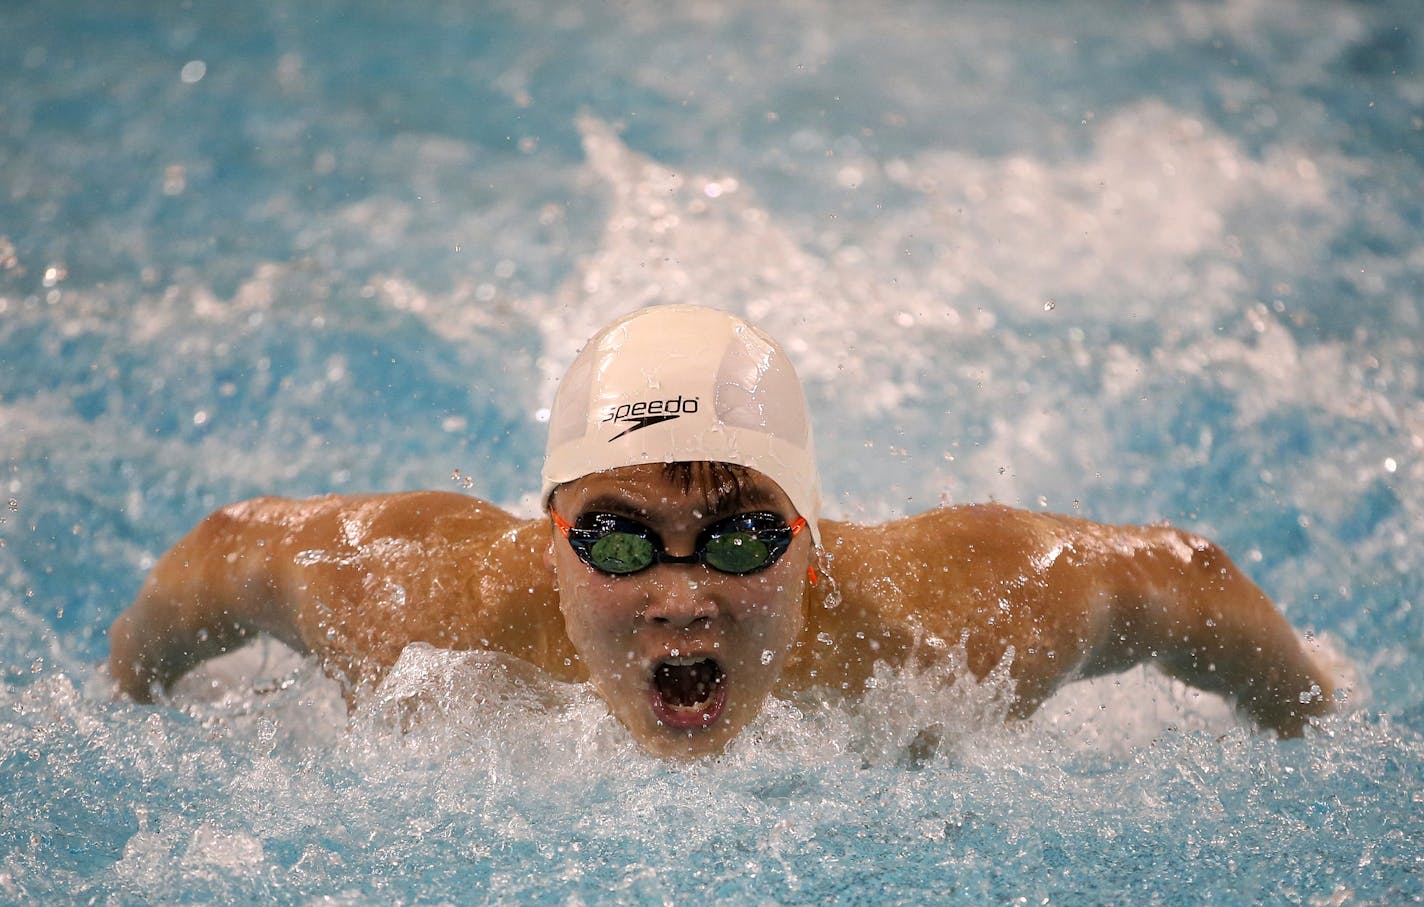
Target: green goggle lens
737,552
740,544
621,552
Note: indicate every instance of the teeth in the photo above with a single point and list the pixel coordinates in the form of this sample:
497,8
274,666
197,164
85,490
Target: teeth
684,662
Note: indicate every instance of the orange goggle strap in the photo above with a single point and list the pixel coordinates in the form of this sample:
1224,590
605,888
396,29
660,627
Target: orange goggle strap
796,528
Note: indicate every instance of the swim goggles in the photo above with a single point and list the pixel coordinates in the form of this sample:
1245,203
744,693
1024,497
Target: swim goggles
740,544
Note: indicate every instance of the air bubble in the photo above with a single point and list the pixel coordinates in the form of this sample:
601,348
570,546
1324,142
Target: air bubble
193,72
766,656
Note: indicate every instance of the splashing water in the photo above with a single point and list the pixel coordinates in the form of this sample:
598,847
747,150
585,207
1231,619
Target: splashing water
1132,264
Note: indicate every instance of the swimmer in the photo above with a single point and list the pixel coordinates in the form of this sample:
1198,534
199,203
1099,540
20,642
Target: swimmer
676,568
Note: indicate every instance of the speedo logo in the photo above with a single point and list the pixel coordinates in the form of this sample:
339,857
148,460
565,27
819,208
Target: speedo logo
648,412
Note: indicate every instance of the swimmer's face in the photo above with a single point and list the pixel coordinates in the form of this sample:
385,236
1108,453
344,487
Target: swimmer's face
684,654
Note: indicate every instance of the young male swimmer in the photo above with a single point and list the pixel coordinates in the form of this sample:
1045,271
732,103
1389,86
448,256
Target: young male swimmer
675,568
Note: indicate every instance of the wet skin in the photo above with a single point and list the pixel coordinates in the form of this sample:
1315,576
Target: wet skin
354,580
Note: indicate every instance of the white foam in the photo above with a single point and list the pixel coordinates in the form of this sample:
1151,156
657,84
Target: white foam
262,688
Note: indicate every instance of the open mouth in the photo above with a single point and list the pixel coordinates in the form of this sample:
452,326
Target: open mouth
688,692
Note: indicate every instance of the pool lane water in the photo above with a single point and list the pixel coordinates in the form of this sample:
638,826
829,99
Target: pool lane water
1132,263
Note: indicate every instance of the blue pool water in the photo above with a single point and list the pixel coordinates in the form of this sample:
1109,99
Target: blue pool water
1132,261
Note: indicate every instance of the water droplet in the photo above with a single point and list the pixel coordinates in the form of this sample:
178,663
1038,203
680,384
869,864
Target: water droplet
175,179
1050,305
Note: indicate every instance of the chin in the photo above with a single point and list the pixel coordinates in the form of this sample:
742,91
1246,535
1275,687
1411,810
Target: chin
687,732
675,743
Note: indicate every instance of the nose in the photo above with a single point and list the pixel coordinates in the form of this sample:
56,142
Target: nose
680,599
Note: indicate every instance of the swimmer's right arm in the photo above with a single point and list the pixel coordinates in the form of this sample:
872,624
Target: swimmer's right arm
350,579
211,592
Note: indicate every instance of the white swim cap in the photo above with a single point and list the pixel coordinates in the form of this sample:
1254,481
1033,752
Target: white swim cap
684,383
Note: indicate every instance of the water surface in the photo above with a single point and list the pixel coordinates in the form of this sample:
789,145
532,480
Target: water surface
1135,262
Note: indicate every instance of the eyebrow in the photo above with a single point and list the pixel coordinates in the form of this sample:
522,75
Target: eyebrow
722,501
615,504
718,503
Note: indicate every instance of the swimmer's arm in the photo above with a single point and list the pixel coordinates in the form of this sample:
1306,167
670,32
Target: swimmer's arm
210,593
1184,605
469,575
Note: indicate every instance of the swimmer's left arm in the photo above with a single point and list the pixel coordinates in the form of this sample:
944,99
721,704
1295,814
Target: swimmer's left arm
1067,598
1179,601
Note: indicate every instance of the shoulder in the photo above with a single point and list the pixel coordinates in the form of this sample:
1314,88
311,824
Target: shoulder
998,533
373,573
354,519
964,556
982,531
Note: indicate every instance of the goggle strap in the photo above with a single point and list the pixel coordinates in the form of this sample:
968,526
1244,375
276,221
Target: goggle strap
563,525
796,528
